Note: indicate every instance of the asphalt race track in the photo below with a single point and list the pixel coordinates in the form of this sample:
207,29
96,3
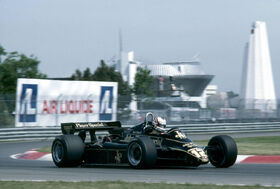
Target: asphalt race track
239,174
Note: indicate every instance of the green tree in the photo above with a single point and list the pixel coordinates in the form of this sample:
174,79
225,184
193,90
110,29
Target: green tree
77,75
143,83
107,73
14,65
87,75
6,118
82,76
2,53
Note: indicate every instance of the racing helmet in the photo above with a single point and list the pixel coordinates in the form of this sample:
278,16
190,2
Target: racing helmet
160,122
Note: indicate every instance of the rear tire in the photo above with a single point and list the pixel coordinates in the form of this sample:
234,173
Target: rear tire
222,151
68,151
142,153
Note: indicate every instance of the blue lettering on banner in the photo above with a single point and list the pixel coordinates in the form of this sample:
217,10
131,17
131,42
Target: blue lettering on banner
28,103
106,103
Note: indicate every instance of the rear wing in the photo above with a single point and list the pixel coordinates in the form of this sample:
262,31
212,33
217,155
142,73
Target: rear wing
71,128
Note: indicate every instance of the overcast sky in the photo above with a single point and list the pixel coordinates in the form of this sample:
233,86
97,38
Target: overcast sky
69,34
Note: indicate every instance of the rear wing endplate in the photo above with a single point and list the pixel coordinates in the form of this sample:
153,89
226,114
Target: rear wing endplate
71,128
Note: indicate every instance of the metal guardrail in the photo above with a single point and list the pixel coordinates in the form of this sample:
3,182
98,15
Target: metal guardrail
27,133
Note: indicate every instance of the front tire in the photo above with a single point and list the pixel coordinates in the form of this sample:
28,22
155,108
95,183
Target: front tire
222,151
67,151
142,153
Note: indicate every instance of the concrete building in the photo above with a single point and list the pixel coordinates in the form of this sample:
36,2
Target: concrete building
179,87
127,66
257,85
176,78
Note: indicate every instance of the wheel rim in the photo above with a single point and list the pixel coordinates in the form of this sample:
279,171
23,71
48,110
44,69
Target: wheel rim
58,152
134,154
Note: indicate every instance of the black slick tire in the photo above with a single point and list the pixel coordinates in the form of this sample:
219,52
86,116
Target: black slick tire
222,151
68,151
142,153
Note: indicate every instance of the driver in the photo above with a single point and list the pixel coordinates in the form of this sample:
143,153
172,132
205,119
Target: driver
160,124
157,126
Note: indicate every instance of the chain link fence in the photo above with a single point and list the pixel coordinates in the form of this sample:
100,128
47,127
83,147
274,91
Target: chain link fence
181,112
175,112
7,108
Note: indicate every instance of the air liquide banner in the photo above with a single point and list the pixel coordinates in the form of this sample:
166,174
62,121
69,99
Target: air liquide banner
43,102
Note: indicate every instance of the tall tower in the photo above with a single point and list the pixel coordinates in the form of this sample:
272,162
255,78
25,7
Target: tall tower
257,87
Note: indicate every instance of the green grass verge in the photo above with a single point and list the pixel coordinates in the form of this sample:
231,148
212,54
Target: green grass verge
259,145
113,185
45,149
246,146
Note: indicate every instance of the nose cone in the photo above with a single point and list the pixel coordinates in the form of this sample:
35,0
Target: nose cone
199,154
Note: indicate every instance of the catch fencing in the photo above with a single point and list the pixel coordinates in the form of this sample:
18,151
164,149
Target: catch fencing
48,133
175,111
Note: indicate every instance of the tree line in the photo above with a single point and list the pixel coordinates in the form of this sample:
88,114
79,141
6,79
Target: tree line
14,65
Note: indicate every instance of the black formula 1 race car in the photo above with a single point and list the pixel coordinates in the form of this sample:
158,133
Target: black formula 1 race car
139,146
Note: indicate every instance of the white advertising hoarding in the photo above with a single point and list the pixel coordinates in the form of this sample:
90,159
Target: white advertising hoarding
42,102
